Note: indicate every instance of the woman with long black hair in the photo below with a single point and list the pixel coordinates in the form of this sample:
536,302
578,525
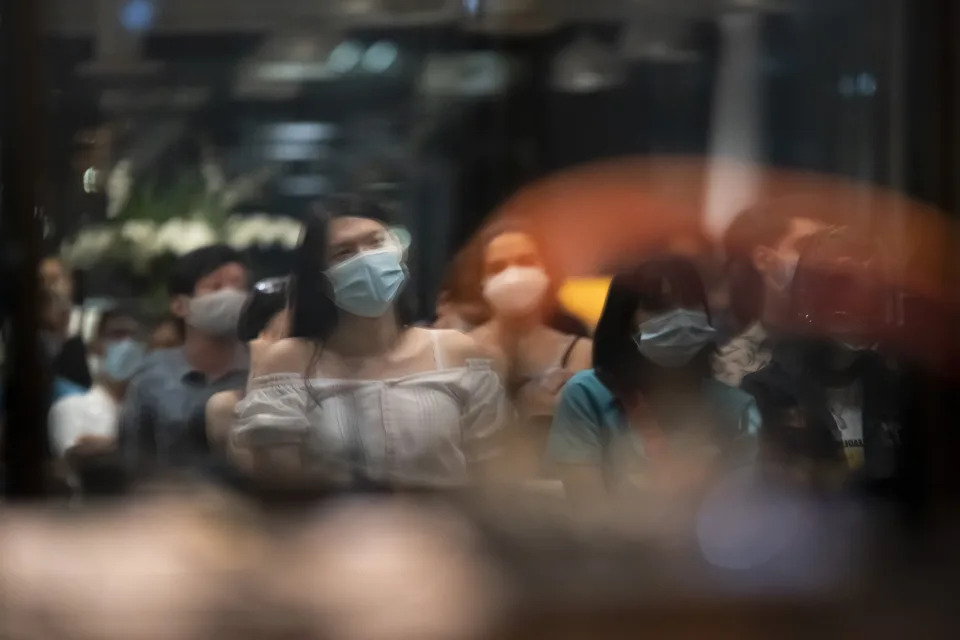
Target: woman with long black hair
649,413
356,396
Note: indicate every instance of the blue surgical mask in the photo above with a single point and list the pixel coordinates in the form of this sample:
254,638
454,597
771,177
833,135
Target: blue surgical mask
122,359
368,283
672,339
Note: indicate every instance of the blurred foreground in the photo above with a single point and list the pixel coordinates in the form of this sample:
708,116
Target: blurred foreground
369,568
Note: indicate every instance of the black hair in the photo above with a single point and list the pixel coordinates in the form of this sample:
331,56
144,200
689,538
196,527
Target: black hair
267,300
112,314
198,264
313,313
658,284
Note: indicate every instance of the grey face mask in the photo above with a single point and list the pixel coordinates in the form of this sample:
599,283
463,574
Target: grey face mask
672,339
217,313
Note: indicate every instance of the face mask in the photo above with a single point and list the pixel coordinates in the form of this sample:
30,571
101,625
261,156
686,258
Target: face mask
672,339
517,290
217,313
122,359
368,283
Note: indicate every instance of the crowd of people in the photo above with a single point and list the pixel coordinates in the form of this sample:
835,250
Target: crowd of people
772,366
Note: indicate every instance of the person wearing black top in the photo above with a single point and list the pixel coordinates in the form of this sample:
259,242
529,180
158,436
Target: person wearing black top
829,398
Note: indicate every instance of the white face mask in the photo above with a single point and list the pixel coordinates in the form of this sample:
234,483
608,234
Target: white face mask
217,313
517,291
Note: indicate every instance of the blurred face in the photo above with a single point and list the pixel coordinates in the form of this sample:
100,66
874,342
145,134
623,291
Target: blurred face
511,249
115,330
165,336
350,236
54,276
779,263
844,300
55,316
229,276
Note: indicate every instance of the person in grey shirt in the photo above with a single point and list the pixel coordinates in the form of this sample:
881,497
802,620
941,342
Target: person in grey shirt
162,420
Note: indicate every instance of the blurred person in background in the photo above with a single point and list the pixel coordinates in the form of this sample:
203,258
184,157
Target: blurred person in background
85,425
167,333
263,321
762,249
649,416
829,399
54,318
459,305
539,358
68,353
163,414
356,397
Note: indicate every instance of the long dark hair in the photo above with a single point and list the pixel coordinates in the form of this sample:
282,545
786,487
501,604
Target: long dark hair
658,284
313,314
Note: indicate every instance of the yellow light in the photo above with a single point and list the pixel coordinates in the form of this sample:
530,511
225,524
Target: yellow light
584,298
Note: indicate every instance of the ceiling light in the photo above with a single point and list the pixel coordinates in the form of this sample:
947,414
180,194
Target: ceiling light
380,56
345,57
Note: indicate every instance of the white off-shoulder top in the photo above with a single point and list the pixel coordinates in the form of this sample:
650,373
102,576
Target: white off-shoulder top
422,429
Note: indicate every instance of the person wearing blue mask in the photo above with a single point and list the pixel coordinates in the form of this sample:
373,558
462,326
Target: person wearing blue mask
87,423
649,417
356,397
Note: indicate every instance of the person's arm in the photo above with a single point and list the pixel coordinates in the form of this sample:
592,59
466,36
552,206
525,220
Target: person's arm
219,418
487,411
575,445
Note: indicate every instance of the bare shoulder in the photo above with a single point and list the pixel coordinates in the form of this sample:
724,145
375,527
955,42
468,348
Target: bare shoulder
290,355
459,348
581,356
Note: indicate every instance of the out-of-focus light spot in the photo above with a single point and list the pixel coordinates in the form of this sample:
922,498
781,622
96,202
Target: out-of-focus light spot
472,7
300,132
137,15
739,528
90,178
847,86
866,84
345,57
380,57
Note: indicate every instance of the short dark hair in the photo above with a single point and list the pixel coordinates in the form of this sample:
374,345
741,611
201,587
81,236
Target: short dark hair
111,314
198,264
658,284
262,305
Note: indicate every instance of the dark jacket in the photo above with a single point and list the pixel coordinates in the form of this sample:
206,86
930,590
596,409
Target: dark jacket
792,390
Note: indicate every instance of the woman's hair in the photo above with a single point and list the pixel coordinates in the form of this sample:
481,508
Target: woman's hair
268,298
313,313
657,285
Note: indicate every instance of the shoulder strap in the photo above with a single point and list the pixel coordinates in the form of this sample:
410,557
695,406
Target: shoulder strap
565,358
437,350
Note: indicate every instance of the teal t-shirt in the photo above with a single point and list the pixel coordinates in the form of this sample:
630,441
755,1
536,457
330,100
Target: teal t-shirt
589,427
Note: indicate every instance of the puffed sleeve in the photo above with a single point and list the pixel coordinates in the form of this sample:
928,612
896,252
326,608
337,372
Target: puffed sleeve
575,435
271,423
486,411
